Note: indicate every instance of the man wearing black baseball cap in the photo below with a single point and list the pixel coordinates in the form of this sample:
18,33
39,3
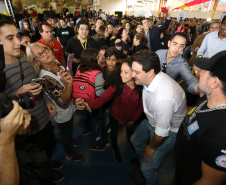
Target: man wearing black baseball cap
201,139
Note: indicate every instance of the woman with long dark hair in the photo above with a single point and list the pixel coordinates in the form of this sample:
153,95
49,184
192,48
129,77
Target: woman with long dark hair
88,84
139,42
125,49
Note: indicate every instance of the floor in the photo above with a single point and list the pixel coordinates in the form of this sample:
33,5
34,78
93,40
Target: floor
100,168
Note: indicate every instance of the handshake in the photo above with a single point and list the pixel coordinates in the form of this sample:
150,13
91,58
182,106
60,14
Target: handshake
81,105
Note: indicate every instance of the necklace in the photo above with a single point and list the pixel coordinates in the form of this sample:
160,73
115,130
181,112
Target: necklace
209,110
204,111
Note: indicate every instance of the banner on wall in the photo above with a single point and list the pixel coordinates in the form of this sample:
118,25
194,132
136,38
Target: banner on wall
181,14
192,3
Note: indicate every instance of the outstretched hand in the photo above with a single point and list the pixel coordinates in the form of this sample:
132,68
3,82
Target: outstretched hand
78,103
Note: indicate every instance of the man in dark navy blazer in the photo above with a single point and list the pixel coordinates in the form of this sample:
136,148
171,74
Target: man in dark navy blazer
153,34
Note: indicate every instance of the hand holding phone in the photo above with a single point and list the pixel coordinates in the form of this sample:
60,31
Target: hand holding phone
81,105
69,62
36,80
86,105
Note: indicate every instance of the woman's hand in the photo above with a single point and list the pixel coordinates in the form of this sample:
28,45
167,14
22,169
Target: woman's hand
78,103
66,78
130,124
34,89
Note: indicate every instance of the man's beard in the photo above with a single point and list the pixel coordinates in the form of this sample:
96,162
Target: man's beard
201,90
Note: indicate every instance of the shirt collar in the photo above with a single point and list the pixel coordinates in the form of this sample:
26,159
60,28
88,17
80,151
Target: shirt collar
154,84
215,34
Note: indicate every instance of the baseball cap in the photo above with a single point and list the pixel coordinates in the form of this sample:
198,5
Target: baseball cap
216,64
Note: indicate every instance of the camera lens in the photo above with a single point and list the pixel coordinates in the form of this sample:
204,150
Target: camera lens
25,100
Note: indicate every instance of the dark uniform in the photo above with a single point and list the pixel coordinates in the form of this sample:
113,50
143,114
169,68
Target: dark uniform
201,137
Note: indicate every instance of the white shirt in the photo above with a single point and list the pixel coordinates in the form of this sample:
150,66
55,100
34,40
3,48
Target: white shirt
53,4
164,104
63,115
102,15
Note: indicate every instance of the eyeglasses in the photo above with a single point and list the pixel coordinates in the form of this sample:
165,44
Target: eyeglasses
164,67
41,55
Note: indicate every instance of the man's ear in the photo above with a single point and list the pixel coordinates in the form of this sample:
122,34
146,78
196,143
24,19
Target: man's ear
168,43
151,73
215,83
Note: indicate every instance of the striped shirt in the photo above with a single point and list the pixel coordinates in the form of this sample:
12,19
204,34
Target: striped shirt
14,73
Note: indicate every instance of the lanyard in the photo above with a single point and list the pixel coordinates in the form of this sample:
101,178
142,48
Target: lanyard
52,48
84,46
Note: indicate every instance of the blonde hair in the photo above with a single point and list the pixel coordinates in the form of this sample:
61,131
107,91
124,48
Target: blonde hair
100,33
31,59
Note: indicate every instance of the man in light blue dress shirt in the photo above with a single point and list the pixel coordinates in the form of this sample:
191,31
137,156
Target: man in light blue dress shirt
214,42
174,65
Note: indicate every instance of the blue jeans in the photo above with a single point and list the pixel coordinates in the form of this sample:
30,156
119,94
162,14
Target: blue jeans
103,124
90,120
66,129
141,137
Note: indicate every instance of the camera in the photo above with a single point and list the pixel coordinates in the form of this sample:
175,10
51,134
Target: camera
25,100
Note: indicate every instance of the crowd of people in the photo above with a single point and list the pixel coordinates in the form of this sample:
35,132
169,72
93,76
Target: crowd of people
125,72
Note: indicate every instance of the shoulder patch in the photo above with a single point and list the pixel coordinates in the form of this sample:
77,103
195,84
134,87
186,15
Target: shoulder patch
192,110
221,161
193,127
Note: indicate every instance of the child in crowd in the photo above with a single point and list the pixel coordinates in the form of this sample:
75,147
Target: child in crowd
112,56
88,84
124,93
101,58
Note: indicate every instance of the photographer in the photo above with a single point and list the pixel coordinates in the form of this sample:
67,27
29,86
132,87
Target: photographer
19,74
16,122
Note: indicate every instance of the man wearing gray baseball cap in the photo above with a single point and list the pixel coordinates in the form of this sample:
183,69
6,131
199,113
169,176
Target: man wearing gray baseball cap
201,139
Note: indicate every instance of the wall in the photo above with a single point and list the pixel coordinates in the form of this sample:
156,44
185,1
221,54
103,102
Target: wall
2,7
120,5
203,15
112,5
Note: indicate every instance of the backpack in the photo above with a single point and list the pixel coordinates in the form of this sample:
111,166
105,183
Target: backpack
84,85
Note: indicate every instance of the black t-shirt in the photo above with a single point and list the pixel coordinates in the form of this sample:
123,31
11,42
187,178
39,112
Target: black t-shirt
204,139
51,14
32,35
74,46
102,42
65,34
141,47
92,33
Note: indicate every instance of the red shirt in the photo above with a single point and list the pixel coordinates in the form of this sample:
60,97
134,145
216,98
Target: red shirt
56,48
34,14
126,107
77,13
